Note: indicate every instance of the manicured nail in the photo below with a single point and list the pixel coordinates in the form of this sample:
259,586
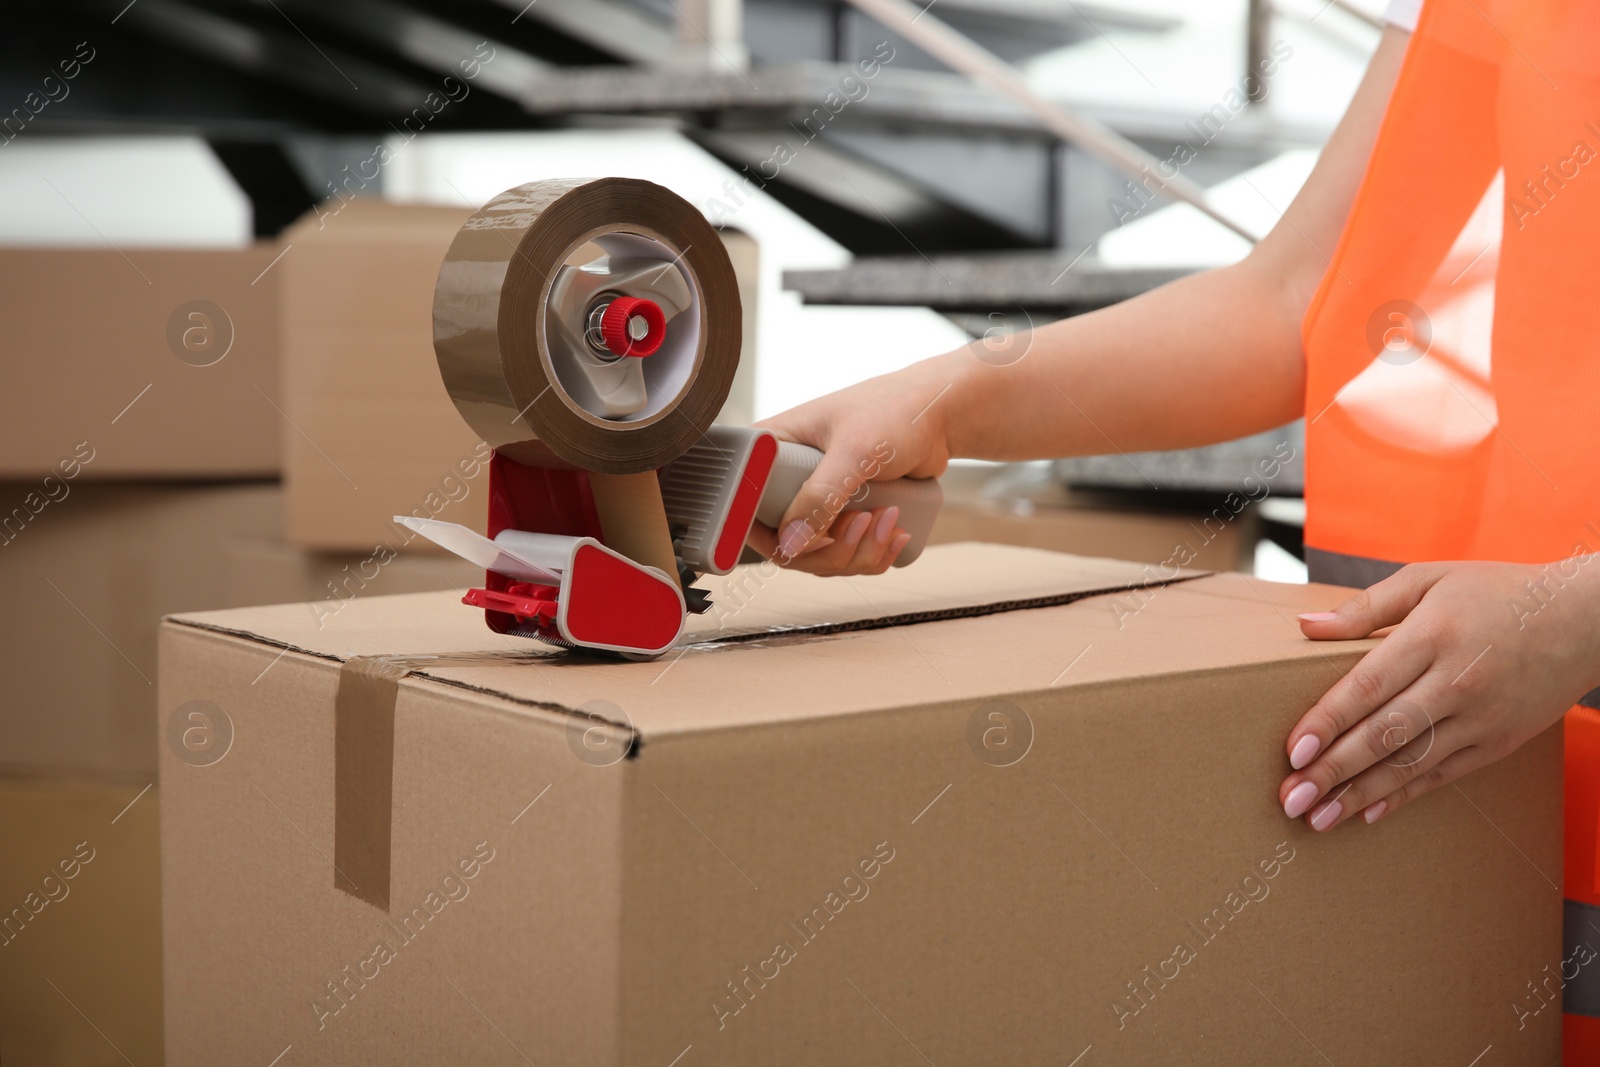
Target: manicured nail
1318,616
795,537
1375,812
901,541
1299,799
1304,751
886,525
1324,816
857,528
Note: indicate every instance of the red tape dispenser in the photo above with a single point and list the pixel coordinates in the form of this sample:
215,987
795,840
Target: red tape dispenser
588,330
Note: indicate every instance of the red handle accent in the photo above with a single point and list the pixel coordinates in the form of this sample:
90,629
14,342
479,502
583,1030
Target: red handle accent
620,313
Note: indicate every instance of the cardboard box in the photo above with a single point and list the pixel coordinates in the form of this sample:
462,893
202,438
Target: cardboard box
1144,536
916,818
1026,504
80,931
85,584
378,435
139,363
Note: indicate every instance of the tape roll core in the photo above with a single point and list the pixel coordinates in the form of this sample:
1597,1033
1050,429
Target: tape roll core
498,348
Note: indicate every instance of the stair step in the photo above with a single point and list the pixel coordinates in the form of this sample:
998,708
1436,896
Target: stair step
1050,282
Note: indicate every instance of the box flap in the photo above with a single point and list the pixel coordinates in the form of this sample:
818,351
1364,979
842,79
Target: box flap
757,607
804,647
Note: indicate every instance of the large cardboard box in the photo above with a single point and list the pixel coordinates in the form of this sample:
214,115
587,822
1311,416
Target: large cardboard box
997,807
80,935
376,433
139,363
85,584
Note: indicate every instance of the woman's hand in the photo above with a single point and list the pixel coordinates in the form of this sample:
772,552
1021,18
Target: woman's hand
1483,657
886,427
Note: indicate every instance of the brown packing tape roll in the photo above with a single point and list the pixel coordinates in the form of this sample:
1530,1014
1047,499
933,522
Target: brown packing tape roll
501,348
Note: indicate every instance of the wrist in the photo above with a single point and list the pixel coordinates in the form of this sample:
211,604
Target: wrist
953,386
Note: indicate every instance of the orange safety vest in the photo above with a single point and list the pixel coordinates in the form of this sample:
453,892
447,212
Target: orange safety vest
1453,347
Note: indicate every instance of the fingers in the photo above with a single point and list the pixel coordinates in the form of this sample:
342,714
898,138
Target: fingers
1412,753
764,539
860,542
1456,765
1378,678
819,501
865,545
1384,604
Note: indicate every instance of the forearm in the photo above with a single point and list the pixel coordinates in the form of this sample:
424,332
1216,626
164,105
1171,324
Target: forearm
1207,358
1210,357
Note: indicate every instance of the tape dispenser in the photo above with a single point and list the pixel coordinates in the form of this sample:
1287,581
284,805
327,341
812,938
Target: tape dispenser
588,331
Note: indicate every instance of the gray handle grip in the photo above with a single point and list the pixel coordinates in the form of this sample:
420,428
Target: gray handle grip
919,499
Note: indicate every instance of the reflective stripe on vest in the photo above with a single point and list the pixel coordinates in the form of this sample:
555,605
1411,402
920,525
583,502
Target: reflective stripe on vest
1580,993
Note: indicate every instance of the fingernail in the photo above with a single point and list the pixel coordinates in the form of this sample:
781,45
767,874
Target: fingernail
1325,815
795,536
901,541
1318,616
1299,799
1375,812
857,528
1304,751
886,525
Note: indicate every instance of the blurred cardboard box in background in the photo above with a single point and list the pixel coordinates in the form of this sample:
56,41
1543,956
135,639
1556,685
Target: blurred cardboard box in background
162,362
85,584
378,435
80,944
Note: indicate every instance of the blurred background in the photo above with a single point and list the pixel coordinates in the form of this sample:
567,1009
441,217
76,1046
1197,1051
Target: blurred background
221,225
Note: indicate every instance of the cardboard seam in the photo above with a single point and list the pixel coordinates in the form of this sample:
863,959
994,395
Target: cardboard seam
913,618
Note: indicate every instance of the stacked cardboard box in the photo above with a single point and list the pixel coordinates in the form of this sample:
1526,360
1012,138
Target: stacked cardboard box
140,439
80,933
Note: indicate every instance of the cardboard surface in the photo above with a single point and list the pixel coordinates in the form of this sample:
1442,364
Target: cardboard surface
378,435
103,354
86,582
761,606
970,840
80,967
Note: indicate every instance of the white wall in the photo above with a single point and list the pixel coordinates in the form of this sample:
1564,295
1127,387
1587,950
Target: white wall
123,191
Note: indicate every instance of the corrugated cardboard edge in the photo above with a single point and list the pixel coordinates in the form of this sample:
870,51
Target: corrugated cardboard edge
369,686
540,654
